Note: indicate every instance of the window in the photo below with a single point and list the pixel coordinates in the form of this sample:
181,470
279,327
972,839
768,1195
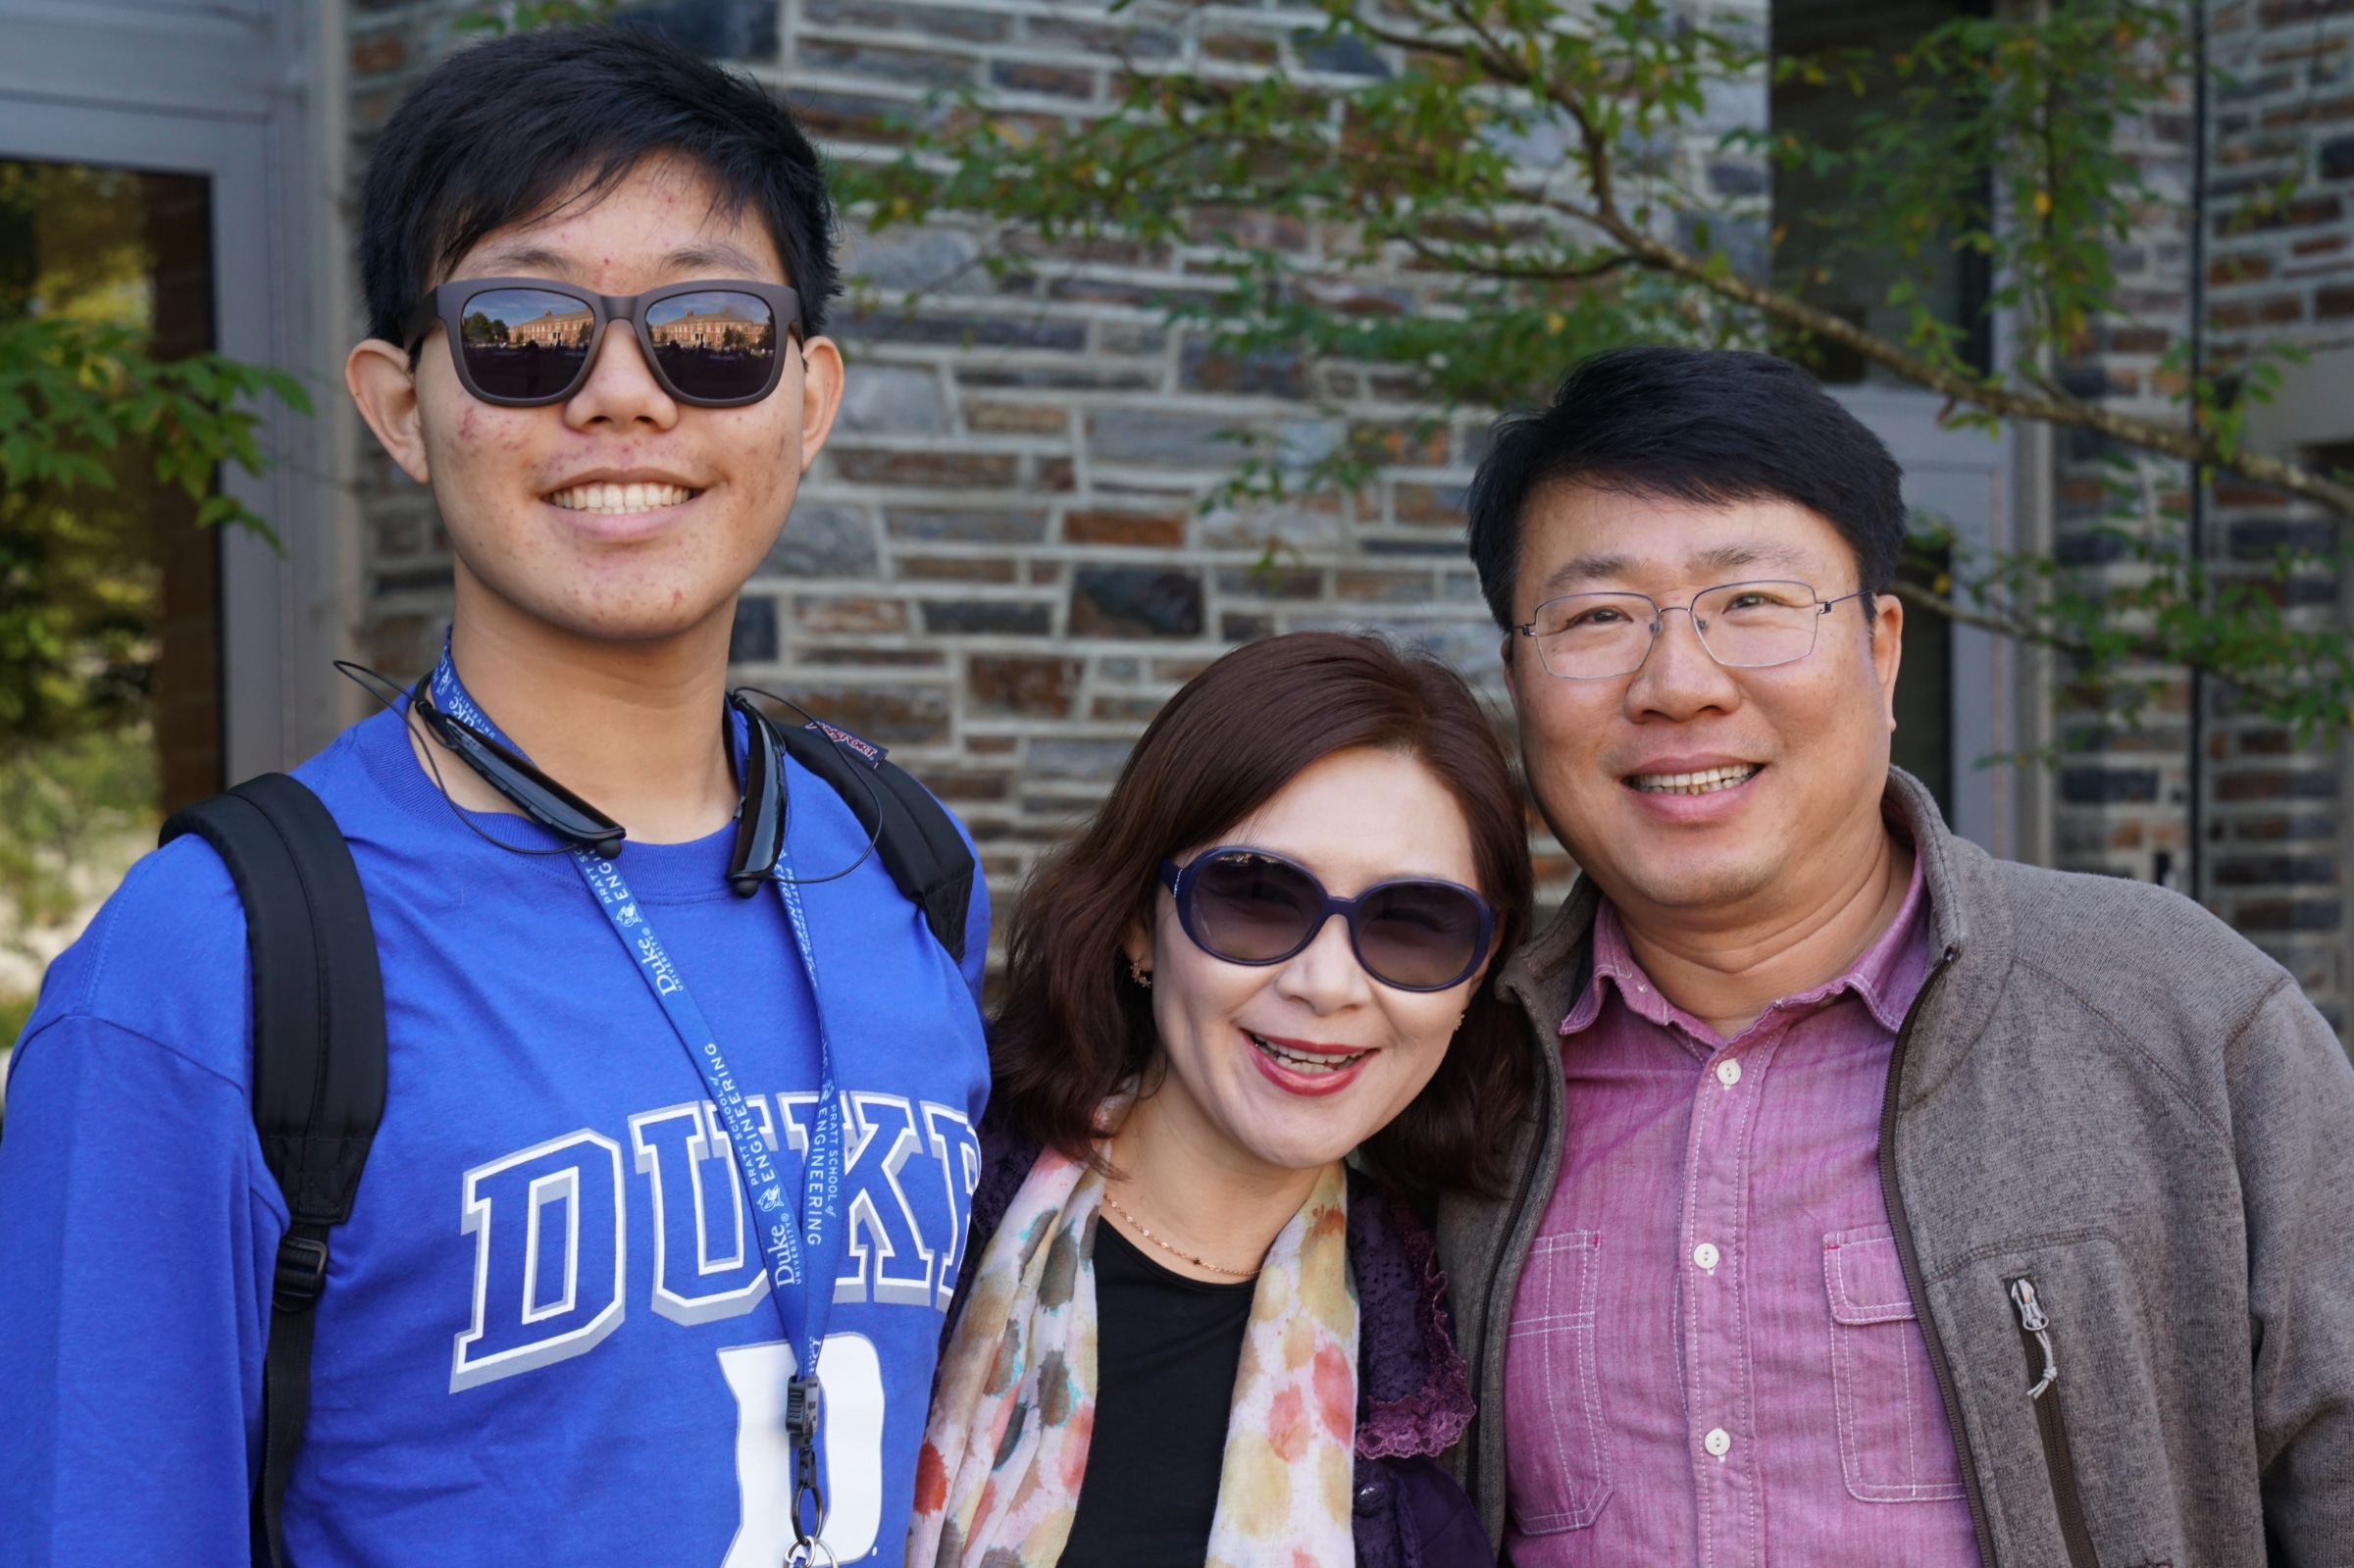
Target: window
124,723
1811,210
1819,256
1924,744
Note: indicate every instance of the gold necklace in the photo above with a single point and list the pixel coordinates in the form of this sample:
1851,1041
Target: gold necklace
1176,1253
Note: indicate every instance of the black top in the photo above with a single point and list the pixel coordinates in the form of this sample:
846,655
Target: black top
1166,1350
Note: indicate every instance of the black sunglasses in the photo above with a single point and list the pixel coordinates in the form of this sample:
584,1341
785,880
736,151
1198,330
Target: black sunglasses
1251,907
525,342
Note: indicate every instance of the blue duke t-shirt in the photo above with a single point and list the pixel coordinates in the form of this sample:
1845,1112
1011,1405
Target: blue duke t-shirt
545,1336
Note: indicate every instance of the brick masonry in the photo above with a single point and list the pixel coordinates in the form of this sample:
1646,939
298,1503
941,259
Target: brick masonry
2280,268
2278,871
2120,788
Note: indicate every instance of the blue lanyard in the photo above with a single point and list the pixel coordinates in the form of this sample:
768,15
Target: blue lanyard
801,1256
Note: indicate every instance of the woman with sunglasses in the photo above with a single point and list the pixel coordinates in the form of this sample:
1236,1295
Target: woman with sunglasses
1185,1332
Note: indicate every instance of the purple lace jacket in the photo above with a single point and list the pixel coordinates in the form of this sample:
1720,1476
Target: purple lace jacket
1413,1393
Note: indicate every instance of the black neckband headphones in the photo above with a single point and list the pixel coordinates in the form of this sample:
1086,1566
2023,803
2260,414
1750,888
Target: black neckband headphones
760,810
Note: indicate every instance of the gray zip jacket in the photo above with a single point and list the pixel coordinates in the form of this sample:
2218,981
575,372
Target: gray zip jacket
2105,1092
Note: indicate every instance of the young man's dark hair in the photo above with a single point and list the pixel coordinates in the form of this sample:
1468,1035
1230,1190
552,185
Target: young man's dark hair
503,132
628,1196
1696,425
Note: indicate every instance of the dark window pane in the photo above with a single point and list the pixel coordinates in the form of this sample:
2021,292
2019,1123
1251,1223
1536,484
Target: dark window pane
753,638
1924,745
1812,209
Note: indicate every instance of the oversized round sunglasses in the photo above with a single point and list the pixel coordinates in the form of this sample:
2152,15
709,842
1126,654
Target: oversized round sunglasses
1251,907
525,342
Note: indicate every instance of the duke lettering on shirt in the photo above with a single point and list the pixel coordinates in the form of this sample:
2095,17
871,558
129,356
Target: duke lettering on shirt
549,1224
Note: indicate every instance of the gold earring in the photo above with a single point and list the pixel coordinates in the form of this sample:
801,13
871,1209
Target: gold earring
1140,974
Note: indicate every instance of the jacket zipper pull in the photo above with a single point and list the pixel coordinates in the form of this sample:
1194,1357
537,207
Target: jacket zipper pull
2031,1317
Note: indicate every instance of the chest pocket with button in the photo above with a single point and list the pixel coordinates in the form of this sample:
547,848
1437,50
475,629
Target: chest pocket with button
1893,1446
1557,1454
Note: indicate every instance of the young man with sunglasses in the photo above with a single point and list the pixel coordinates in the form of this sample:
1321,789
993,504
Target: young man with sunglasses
1886,1203
625,1188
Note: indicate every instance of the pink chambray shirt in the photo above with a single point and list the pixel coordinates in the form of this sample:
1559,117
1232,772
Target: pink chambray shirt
1712,1358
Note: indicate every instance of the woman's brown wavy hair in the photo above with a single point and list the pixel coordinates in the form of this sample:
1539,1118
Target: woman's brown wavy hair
1073,1025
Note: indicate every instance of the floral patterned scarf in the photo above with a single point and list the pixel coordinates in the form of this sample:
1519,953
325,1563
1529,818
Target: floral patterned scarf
1005,1450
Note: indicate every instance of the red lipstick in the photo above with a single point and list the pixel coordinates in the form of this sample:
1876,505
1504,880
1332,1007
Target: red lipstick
1290,1079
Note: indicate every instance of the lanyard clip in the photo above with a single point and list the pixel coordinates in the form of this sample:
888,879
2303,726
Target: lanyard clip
800,1414
801,1403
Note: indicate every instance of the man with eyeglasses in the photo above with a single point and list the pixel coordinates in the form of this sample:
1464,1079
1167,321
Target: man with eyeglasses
1887,1203
648,1260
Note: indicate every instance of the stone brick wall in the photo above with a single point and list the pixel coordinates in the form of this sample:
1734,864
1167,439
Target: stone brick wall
2121,786
2281,267
1004,563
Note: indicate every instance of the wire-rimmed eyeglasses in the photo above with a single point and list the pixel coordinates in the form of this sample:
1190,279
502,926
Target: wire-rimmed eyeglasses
1743,626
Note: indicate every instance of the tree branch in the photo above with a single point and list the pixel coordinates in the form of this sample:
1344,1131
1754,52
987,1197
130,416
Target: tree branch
2049,408
2021,631
1454,260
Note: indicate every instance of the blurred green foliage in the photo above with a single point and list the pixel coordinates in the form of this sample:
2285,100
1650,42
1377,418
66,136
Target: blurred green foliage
87,422
57,799
522,15
90,425
94,428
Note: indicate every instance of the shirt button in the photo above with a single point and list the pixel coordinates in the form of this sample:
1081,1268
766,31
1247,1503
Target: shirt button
1705,1256
1728,1072
1718,1442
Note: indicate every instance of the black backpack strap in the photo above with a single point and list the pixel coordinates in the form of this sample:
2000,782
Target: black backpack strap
913,833
318,1069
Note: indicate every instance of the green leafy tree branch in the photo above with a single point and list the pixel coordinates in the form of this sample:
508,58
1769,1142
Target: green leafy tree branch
525,16
85,413
1472,193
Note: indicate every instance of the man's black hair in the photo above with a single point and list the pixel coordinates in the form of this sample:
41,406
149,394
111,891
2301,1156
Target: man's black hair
1714,427
502,133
